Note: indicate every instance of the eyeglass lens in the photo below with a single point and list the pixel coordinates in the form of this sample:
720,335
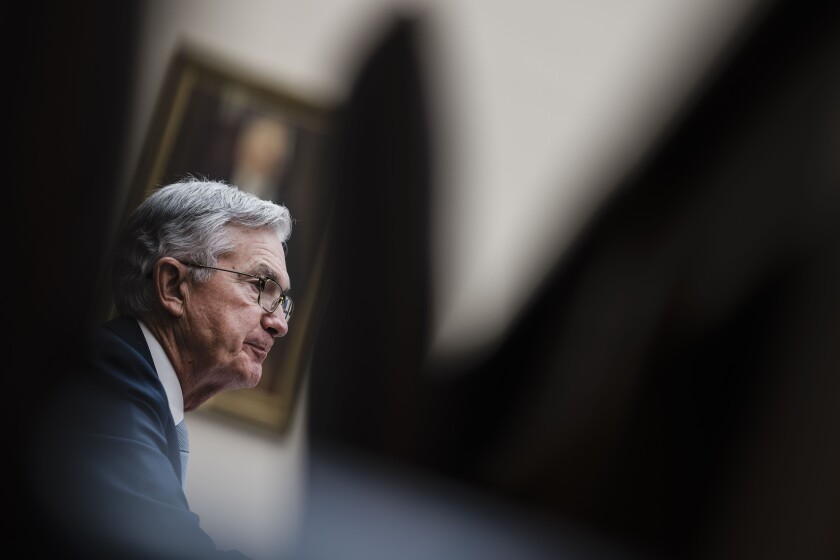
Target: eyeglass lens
273,296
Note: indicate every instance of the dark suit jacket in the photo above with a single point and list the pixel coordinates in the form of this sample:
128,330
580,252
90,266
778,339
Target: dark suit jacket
107,461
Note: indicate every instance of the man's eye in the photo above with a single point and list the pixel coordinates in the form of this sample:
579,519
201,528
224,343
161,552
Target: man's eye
255,284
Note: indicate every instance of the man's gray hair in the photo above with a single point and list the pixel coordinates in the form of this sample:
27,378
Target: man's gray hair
190,221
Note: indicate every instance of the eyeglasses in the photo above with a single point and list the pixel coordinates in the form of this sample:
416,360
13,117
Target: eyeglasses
271,295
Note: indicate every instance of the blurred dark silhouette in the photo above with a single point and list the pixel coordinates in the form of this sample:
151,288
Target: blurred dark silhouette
375,331
67,88
675,382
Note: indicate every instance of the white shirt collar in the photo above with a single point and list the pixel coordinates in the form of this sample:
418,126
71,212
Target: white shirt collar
167,375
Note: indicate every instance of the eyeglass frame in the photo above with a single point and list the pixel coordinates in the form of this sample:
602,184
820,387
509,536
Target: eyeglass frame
263,280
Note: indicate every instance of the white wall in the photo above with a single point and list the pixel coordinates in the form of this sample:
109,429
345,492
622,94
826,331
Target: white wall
542,104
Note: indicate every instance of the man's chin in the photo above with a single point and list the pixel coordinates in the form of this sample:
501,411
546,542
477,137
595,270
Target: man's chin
252,380
247,379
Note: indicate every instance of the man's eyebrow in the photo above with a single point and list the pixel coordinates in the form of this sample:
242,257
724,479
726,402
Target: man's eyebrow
264,270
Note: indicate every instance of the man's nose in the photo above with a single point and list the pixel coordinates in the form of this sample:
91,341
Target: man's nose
275,323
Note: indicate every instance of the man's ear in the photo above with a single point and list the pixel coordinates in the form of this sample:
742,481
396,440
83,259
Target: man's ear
170,282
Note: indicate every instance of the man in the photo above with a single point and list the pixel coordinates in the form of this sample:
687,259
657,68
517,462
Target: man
201,292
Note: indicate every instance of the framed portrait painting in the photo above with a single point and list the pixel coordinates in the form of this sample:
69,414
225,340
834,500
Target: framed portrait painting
213,120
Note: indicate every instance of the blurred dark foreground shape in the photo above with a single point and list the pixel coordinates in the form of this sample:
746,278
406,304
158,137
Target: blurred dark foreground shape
673,389
68,85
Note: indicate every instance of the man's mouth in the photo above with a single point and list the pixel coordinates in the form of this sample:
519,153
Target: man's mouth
260,351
